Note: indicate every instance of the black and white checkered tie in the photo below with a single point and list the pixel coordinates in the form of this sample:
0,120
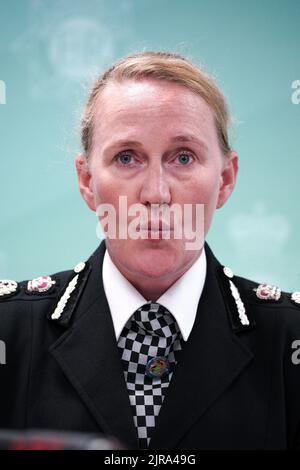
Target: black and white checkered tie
151,332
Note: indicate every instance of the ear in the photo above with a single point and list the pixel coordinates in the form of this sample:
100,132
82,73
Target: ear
85,181
228,177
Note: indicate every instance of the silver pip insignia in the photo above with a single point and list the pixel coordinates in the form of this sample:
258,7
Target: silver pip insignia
8,287
296,297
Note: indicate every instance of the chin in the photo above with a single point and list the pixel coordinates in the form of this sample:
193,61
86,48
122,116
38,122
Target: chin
154,263
155,271
146,259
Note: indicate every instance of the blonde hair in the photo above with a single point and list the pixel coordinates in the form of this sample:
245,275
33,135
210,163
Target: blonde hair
165,66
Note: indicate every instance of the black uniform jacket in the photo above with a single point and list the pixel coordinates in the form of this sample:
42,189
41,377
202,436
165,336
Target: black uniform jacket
236,385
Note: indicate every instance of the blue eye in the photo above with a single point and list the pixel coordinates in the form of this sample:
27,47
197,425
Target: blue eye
125,158
184,158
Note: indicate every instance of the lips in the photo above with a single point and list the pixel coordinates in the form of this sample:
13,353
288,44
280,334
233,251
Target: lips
155,226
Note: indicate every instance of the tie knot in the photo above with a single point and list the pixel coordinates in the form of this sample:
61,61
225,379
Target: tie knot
156,320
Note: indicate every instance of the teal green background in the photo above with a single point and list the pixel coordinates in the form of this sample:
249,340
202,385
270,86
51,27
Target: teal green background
49,52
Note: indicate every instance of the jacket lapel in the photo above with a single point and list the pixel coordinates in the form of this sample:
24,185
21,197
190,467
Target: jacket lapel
211,359
89,357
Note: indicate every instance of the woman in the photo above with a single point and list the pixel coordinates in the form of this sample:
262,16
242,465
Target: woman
152,340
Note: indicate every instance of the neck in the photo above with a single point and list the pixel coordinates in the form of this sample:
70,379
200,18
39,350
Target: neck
152,288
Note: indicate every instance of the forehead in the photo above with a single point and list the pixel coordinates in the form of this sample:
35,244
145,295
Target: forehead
151,109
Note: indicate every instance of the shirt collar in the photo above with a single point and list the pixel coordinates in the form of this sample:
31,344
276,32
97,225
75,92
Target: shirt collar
181,299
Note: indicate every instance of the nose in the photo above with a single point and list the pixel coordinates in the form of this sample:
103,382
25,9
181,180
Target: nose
155,188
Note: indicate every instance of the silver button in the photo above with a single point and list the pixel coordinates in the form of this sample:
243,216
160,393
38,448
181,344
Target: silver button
228,272
79,267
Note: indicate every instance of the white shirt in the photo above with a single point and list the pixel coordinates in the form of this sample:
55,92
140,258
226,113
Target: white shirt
181,299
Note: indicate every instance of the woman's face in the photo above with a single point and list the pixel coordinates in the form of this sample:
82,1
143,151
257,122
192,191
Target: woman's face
155,143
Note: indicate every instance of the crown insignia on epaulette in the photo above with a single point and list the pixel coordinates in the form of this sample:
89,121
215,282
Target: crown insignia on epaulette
267,292
40,285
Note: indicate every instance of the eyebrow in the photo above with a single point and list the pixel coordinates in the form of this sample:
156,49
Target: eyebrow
177,138
189,138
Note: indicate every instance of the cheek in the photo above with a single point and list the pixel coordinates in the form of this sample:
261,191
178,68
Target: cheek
105,189
202,189
107,182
